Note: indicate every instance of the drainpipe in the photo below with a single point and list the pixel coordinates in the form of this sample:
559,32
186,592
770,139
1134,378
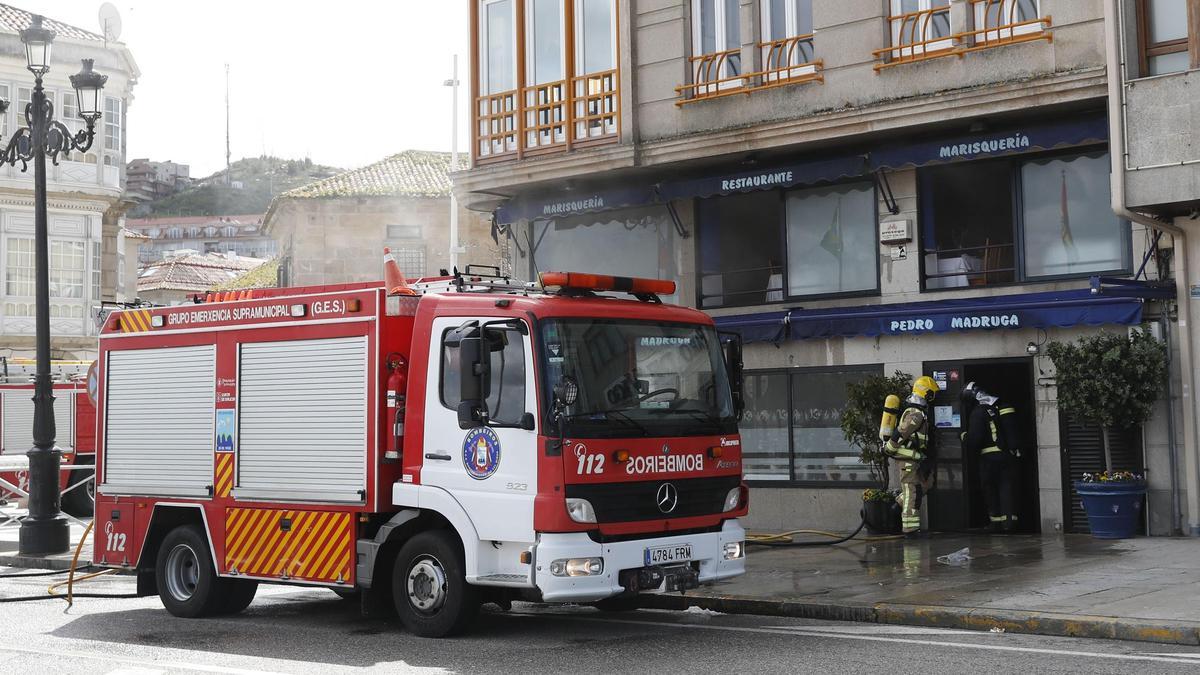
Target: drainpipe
1117,155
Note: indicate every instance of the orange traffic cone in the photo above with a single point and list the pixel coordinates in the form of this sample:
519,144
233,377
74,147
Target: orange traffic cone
393,279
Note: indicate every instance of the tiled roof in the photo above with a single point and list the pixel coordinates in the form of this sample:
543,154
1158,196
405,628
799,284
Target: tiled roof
165,221
130,234
412,173
194,272
265,275
13,20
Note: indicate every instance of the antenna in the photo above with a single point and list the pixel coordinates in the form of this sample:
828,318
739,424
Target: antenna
110,23
228,155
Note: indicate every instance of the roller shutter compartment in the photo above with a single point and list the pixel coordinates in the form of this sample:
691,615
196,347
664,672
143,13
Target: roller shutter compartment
302,420
16,420
159,434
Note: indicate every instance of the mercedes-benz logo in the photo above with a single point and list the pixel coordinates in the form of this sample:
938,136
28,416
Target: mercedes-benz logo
668,497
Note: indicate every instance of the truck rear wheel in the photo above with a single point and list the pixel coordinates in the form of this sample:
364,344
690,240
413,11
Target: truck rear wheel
239,595
429,586
187,583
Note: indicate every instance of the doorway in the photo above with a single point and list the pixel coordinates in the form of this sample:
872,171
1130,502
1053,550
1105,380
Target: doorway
956,501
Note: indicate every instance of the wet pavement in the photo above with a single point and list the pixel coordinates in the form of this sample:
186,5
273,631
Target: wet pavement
1146,583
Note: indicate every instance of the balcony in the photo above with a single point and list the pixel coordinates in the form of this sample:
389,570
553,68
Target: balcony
929,34
784,62
551,117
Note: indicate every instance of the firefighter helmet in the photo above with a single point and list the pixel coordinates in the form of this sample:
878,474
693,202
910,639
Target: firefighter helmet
923,391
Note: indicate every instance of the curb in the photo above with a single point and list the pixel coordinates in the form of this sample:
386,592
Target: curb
56,562
964,618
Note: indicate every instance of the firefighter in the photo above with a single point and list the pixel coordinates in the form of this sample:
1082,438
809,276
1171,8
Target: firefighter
905,433
991,430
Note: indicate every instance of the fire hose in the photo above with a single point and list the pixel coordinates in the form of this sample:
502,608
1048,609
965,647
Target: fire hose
784,539
70,595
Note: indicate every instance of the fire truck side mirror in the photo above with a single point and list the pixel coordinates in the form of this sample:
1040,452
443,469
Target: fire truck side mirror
733,363
474,364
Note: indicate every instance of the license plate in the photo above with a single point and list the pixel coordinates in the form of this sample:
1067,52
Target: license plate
665,555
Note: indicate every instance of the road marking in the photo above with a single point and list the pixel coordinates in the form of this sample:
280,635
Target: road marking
878,629
1181,655
807,632
158,665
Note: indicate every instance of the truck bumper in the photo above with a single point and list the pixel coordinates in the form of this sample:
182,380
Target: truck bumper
708,553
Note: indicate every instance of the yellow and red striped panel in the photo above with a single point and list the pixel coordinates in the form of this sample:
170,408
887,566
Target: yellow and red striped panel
135,321
316,546
224,473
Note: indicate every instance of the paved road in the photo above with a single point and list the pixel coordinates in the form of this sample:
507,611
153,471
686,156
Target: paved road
292,630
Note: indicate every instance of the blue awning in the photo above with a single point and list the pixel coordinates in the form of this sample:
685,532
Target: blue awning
785,175
562,203
1080,130
1052,309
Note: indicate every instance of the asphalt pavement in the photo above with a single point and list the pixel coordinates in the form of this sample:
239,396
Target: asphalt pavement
299,630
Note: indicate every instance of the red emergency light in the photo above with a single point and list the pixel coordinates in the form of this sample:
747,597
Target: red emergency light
603,282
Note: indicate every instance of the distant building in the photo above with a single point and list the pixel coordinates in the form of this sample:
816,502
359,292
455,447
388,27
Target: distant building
85,193
334,230
146,180
242,235
176,279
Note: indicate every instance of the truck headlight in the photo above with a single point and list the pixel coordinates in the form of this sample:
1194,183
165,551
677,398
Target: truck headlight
734,550
577,567
733,499
580,510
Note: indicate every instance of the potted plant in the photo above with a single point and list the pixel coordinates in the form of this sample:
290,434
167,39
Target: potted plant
1110,381
860,427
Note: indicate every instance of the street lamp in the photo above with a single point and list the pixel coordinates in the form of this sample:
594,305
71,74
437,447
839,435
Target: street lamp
45,529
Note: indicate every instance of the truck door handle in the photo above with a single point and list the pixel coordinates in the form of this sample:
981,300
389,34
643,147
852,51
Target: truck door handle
433,455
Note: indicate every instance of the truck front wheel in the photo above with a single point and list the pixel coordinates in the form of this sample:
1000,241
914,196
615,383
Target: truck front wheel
429,586
187,583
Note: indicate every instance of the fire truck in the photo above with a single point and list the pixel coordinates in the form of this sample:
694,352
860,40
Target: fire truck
75,420
426,448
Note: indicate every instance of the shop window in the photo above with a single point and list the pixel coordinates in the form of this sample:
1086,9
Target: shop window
632,242
791,427
831,240
1163,36
741,249
1056,207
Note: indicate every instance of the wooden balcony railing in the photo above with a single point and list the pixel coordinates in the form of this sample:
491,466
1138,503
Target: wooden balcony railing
787,61
549,117
925,35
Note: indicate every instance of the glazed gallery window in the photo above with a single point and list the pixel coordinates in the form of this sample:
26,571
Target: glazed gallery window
113,123
19,268
791,427
1006,221
67,269
716,39
1163,35
766,247
631,242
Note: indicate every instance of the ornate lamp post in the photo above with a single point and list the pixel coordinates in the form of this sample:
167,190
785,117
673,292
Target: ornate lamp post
45,530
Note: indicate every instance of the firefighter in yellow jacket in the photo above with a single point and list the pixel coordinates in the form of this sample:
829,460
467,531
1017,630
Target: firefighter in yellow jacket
904,431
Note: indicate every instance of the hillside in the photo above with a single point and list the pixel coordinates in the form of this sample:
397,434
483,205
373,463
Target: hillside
261,179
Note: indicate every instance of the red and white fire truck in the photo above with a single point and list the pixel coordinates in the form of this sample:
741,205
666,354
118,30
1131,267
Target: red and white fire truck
75,421
465,440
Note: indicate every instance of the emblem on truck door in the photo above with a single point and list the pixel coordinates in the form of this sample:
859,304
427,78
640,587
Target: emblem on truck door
667,497
481,452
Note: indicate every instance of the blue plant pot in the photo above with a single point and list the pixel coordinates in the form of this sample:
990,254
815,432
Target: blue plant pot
1113,509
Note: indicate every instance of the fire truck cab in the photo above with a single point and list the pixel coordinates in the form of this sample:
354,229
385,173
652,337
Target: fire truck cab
468,440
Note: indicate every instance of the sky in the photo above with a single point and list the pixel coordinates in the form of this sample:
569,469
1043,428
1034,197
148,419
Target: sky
344,83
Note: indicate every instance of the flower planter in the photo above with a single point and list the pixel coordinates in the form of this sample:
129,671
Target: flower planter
882,517
1113,508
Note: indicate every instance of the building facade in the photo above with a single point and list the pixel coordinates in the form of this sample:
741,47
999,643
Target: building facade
146,180
84,194
242,235
334,230
855,187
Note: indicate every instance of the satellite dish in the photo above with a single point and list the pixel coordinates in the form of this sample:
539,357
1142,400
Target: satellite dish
110,22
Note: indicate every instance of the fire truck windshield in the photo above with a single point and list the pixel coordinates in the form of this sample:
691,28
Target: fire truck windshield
639,378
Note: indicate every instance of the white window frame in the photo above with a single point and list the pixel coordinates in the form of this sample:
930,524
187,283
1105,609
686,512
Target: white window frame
1007,33
909,50
581,36
10,268
791,21
721,33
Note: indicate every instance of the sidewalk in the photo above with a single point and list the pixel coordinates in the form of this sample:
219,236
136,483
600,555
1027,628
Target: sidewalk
1136,589
10,537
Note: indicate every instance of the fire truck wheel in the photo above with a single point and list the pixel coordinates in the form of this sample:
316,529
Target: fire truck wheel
239,595
187,584
429,586
80,502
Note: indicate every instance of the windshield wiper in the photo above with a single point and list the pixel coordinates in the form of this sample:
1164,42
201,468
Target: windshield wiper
611,415
698,415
